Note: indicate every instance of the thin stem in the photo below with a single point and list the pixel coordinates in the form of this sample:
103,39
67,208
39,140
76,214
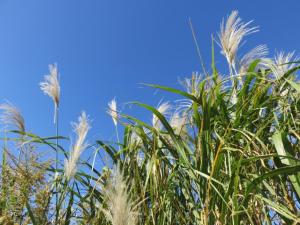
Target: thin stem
4,187
231,74
197,47
239,78
56,161
4,150
93,164
116,127
233,97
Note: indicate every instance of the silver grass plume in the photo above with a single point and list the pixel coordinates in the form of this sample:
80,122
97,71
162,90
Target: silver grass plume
163,108
121,210
282,63
178,122
231,35
51,87
259,52
81,129
112,111
191,85
12,116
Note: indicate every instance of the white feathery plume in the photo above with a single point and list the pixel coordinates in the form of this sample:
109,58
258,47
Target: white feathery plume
192,84
178,122
231,35
12,116
282,63
259,52
81,129
163,109
51,86
112,111
121,210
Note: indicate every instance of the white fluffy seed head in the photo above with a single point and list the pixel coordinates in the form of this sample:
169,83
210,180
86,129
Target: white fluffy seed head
282,63
192,84
81,129
231,35
259,52
51,86
178,122
112,111
121,210
164,109
12,116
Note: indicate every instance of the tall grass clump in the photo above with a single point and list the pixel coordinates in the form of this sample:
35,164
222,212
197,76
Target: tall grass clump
226,152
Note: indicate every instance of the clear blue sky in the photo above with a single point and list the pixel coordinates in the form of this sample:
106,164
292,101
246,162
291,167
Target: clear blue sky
105,48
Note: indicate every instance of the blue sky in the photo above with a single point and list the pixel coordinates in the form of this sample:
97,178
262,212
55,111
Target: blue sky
106,48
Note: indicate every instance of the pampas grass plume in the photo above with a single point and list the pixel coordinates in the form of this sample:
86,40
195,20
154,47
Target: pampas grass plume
121,210
112,111
163,109
51,86
231,35
11,115
81,129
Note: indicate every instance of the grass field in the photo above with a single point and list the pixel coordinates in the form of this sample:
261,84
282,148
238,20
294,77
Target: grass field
227,152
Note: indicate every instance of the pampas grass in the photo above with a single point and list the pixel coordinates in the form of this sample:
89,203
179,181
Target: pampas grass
120,208
259,52
232,32
163,109
178,122
81,129
50,86
12,116
112,111
191,85
282,63
225,154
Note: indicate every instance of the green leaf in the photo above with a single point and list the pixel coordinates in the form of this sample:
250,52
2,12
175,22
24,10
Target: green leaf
176,91
30,213
281,150
281,209
295,85
276,172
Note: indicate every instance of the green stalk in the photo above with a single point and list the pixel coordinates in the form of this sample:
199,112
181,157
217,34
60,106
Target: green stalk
4,187
56,162
117,133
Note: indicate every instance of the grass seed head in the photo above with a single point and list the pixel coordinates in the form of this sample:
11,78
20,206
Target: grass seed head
81,129
50,86
112,111
12,116
231,35
282,63
120,209
259,52
164,109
